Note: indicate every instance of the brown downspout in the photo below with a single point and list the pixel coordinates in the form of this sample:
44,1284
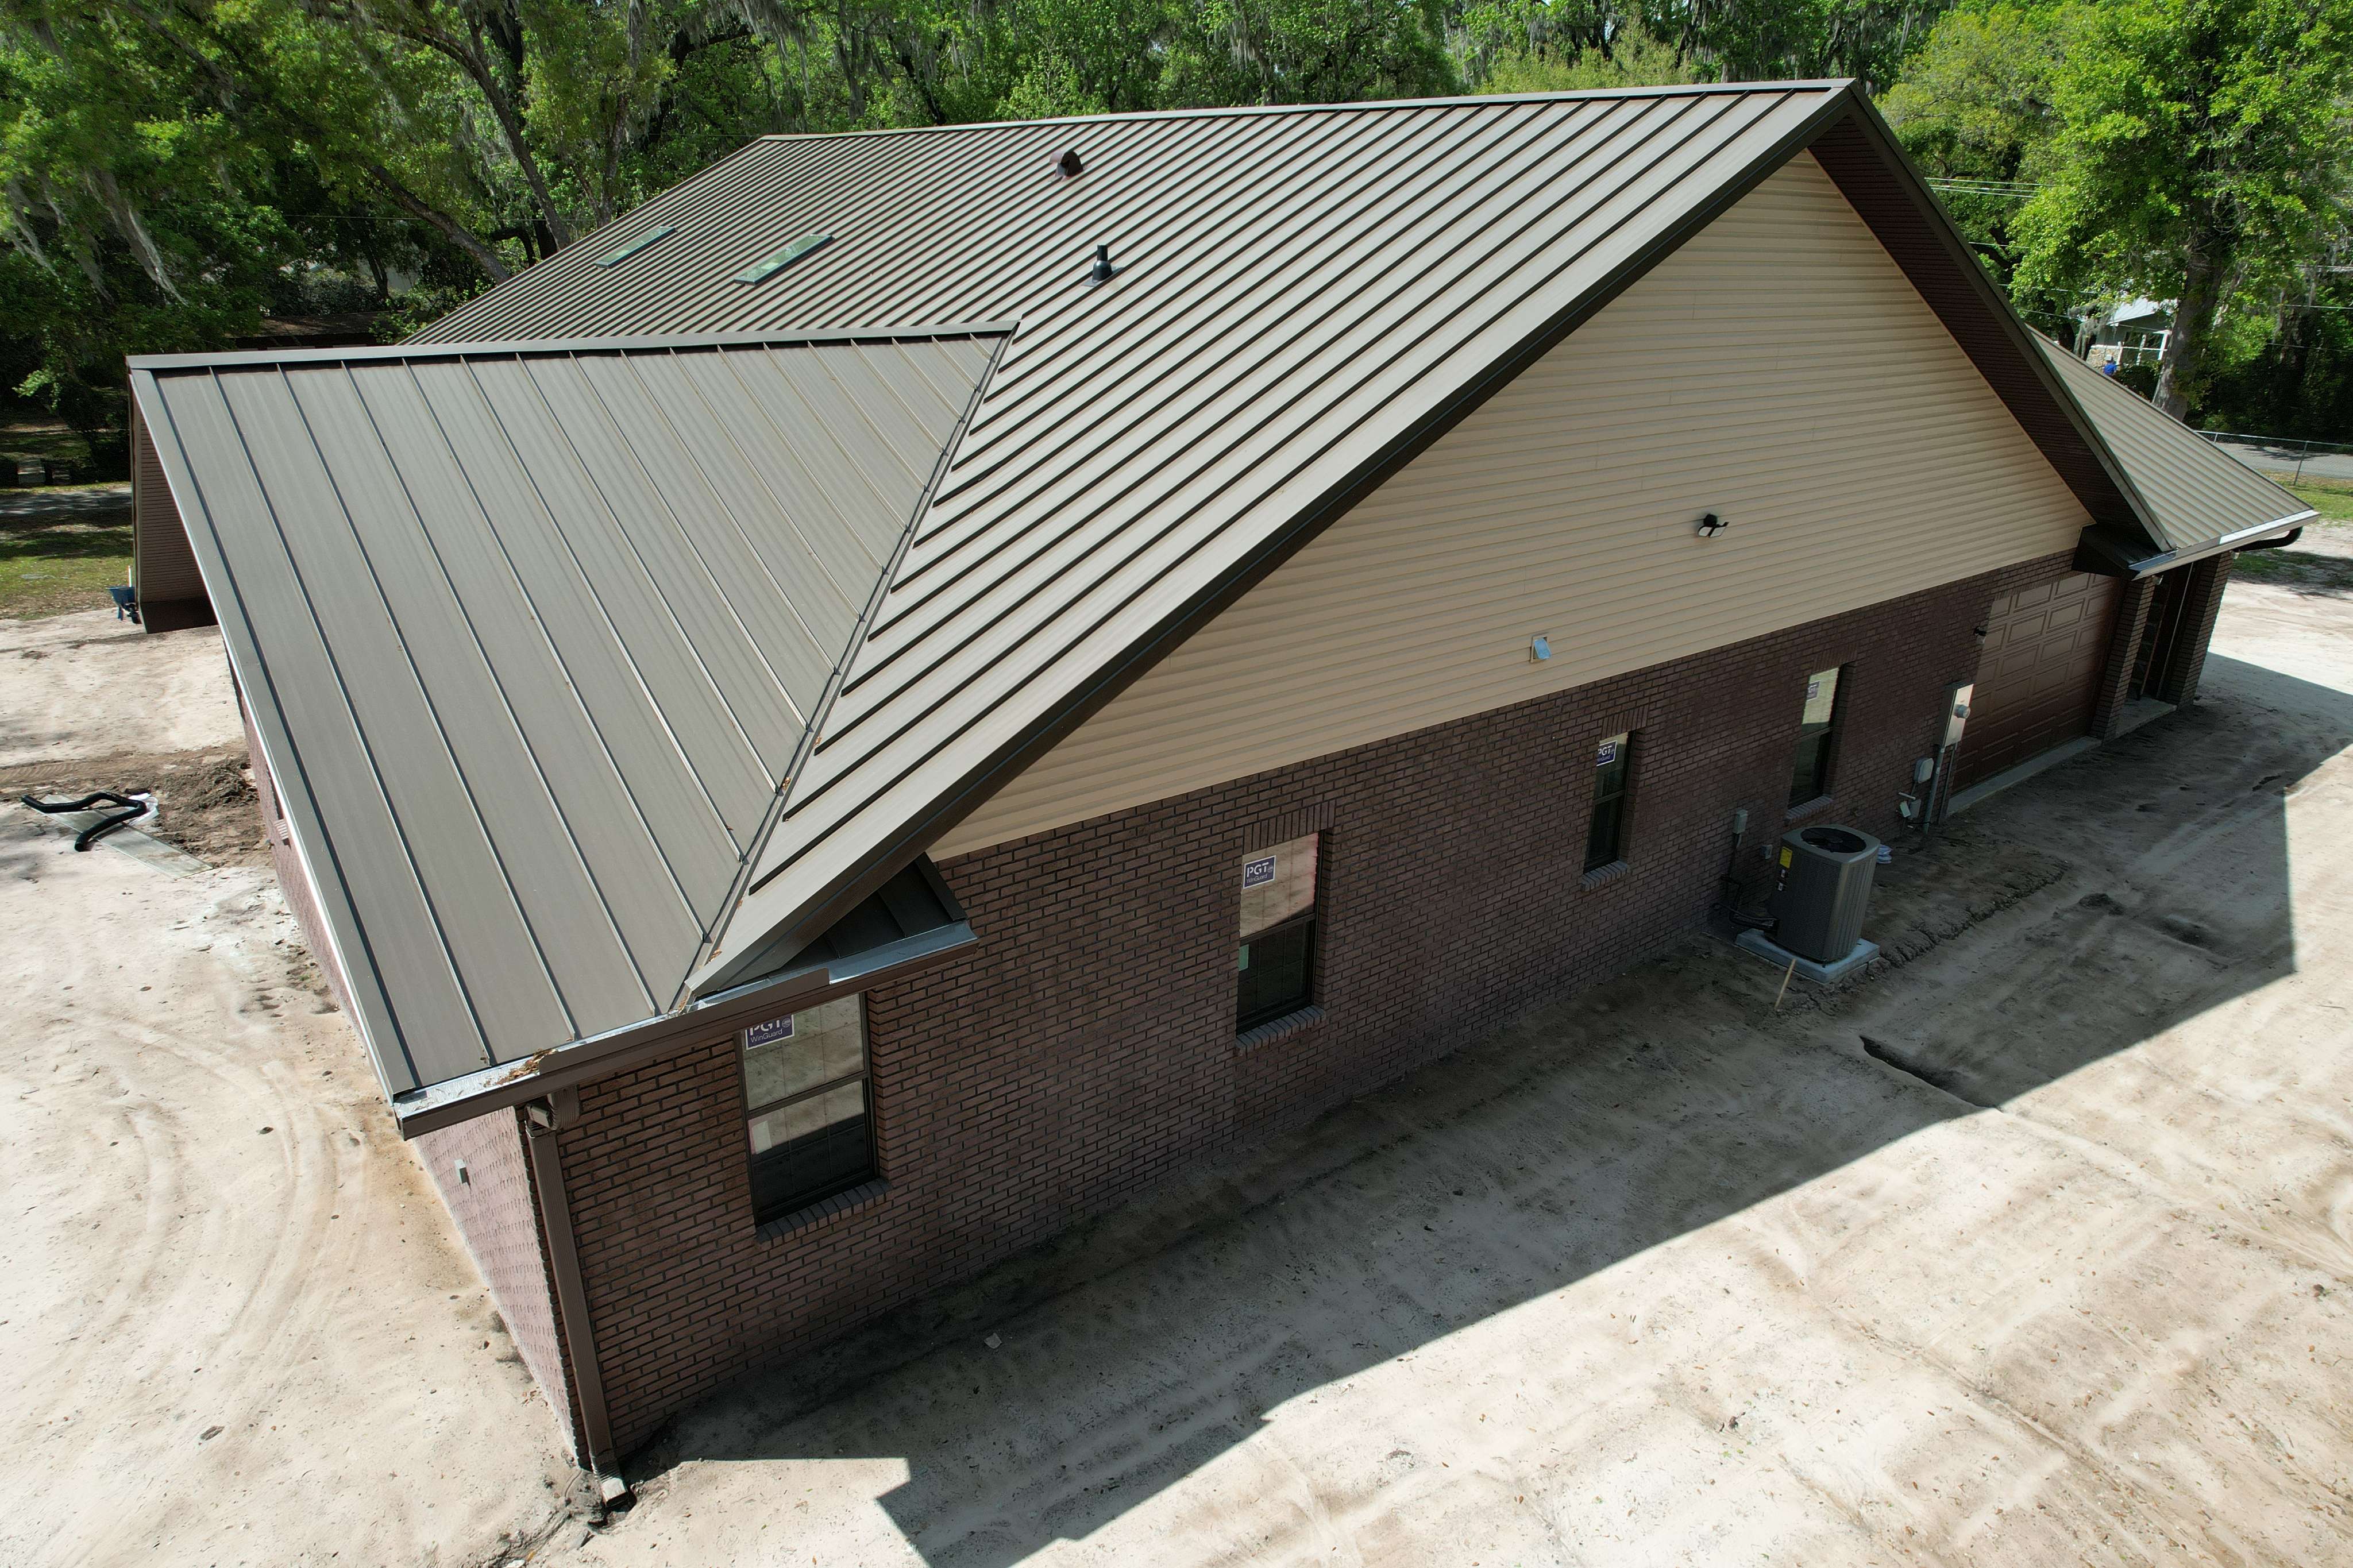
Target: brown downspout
548,1116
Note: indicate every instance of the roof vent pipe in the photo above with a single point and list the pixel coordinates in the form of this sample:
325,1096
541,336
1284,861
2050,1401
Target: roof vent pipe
1068,164
1102,270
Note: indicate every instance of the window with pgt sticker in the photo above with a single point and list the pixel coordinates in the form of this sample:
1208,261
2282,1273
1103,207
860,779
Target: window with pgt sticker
1275,963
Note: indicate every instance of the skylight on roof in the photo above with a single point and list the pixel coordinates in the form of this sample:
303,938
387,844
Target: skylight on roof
652,235
776,261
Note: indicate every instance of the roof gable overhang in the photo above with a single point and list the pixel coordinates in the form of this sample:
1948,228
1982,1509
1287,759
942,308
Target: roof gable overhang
1854,146
1652,168
529,634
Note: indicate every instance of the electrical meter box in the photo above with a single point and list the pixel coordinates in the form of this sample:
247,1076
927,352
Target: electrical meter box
1956,709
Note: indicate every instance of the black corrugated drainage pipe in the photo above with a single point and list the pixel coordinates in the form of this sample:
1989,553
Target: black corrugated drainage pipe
2282,543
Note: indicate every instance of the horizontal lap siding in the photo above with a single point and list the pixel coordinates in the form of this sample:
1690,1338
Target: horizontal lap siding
1779,370
1085,1049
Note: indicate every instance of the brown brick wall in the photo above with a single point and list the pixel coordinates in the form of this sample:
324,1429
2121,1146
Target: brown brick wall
497,1213
2133,602
2208,579
1085,1048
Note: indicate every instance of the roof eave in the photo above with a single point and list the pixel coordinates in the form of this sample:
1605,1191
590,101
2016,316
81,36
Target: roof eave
795,337
2111,552
817,913
457,1099
1216,111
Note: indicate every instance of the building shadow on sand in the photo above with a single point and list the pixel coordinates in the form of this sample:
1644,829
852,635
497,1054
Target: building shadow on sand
2138,885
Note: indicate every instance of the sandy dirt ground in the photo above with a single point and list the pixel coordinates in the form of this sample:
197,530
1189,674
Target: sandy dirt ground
2035,1249
86,684
239,1327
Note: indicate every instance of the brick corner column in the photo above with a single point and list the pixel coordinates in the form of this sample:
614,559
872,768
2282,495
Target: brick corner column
2124,646
2207,578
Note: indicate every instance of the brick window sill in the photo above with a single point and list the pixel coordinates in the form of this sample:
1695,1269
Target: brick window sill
1603,876
865,1194
1275,1029
1806,808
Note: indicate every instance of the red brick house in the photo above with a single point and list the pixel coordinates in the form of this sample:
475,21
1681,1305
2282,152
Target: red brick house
923,680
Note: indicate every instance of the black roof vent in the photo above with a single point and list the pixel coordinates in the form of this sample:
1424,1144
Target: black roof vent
1068,164
1102,270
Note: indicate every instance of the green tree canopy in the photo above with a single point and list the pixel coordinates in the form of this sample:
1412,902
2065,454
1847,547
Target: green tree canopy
2186,150
174,172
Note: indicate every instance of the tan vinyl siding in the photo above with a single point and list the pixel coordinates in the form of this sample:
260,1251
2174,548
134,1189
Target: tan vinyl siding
1779,370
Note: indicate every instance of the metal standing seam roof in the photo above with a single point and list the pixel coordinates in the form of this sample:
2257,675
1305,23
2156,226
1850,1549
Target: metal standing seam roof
2194,494
1303,298
533,632
1298,292
1293,290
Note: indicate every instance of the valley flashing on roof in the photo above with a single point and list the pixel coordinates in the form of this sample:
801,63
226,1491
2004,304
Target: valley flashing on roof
1070,502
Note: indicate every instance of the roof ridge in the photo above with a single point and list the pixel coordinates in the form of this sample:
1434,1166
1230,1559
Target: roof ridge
519,348
713,941
1240,110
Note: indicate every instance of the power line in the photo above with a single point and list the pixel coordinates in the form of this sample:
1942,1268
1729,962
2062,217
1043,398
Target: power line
2013,190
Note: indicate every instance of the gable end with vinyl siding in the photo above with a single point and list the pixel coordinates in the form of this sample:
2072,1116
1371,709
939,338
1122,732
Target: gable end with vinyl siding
1778,370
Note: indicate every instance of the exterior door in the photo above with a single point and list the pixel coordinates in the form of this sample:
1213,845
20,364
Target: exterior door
2045,649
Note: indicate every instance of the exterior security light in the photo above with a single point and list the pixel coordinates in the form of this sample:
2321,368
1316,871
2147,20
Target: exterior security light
1539,650
1710,525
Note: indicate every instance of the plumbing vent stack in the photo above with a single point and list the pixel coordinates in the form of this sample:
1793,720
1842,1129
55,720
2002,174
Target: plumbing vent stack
1102,270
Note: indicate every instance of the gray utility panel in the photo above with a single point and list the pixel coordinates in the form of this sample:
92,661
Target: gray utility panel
1824,887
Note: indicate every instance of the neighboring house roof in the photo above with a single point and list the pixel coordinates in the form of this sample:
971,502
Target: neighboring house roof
2195,494
1303,298
530,633
2136,310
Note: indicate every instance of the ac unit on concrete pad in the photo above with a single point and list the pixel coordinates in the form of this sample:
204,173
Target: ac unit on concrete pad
1825,885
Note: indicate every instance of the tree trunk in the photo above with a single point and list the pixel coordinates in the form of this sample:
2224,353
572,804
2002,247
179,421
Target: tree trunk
2178,368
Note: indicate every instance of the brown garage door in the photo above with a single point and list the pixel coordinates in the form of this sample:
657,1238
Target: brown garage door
2044,649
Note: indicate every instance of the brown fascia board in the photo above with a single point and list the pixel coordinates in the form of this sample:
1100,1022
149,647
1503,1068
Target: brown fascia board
537,1077
1860,155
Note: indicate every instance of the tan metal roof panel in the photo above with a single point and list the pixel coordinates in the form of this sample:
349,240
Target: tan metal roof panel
1303,299
507,624
2196,493
1139,441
